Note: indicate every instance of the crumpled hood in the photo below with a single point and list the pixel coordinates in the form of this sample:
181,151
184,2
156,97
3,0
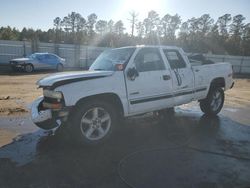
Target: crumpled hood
21,59
58,79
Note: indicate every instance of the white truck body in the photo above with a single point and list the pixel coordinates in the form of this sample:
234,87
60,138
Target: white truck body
163,87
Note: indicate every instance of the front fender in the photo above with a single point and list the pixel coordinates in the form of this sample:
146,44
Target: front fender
114,84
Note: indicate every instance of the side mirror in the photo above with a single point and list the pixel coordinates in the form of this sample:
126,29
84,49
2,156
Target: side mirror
132,73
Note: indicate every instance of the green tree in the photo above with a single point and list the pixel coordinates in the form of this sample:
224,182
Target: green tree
119,28
152,21
57,24
246,40
110,26
6,33
170,24
237,26
101,26
90,23
74,22
223,22
205,24
236,30
140,29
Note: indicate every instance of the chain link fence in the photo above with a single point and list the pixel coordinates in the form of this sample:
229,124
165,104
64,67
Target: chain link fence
241,64
77,56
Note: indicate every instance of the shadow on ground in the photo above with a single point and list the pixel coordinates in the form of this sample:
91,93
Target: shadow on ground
183,150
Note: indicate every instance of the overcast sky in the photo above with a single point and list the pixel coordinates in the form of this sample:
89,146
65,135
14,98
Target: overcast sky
39,14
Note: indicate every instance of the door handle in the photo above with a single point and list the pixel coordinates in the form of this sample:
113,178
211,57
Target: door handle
197,70
166,77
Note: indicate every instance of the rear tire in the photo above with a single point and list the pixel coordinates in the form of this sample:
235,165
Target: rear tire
213,104
93,122
29,68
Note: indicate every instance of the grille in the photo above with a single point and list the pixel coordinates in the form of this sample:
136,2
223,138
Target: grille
51,100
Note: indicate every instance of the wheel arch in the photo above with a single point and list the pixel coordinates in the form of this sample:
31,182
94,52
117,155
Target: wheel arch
111,98
218,82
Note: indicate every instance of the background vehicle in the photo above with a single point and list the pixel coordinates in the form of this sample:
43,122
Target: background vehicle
125,82
199,58
38,61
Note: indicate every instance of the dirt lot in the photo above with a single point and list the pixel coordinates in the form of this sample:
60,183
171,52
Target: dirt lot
17,92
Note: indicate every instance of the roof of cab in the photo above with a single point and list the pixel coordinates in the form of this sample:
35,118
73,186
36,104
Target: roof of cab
151,46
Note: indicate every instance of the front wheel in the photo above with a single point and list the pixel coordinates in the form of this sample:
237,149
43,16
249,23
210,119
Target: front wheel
93,122
29,68
213,104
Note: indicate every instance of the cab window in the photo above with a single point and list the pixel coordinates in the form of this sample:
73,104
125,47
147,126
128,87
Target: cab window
149,59
175,59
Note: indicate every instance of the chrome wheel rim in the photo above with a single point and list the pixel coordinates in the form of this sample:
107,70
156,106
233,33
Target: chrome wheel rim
216,101
28,68
95,123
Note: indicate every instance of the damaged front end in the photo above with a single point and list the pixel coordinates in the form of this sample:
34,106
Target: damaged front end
49,111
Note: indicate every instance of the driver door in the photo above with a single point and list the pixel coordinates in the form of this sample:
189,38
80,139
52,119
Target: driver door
40,61
152,88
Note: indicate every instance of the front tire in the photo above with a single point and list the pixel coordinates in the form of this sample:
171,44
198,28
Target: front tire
29,68
93,122
213,104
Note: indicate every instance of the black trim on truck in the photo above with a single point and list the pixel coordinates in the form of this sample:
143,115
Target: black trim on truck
68,81
155,98
151,99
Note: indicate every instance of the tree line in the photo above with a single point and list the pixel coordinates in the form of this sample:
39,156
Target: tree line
226,35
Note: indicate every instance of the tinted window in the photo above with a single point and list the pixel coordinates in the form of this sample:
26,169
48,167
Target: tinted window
40,57
46,56
149,59
174,58
52,57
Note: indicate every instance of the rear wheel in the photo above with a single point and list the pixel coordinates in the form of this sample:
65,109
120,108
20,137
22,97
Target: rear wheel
93,122
213,104
29,68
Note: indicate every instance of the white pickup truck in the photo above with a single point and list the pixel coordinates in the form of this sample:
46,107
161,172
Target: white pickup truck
124,82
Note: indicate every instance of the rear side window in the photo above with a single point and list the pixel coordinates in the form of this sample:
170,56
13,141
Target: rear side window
40,57
149,59
175,59
52,57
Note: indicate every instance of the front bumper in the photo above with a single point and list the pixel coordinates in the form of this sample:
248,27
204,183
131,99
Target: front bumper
17,64
43,118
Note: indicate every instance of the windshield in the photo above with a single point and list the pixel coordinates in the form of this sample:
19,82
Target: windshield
108,59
